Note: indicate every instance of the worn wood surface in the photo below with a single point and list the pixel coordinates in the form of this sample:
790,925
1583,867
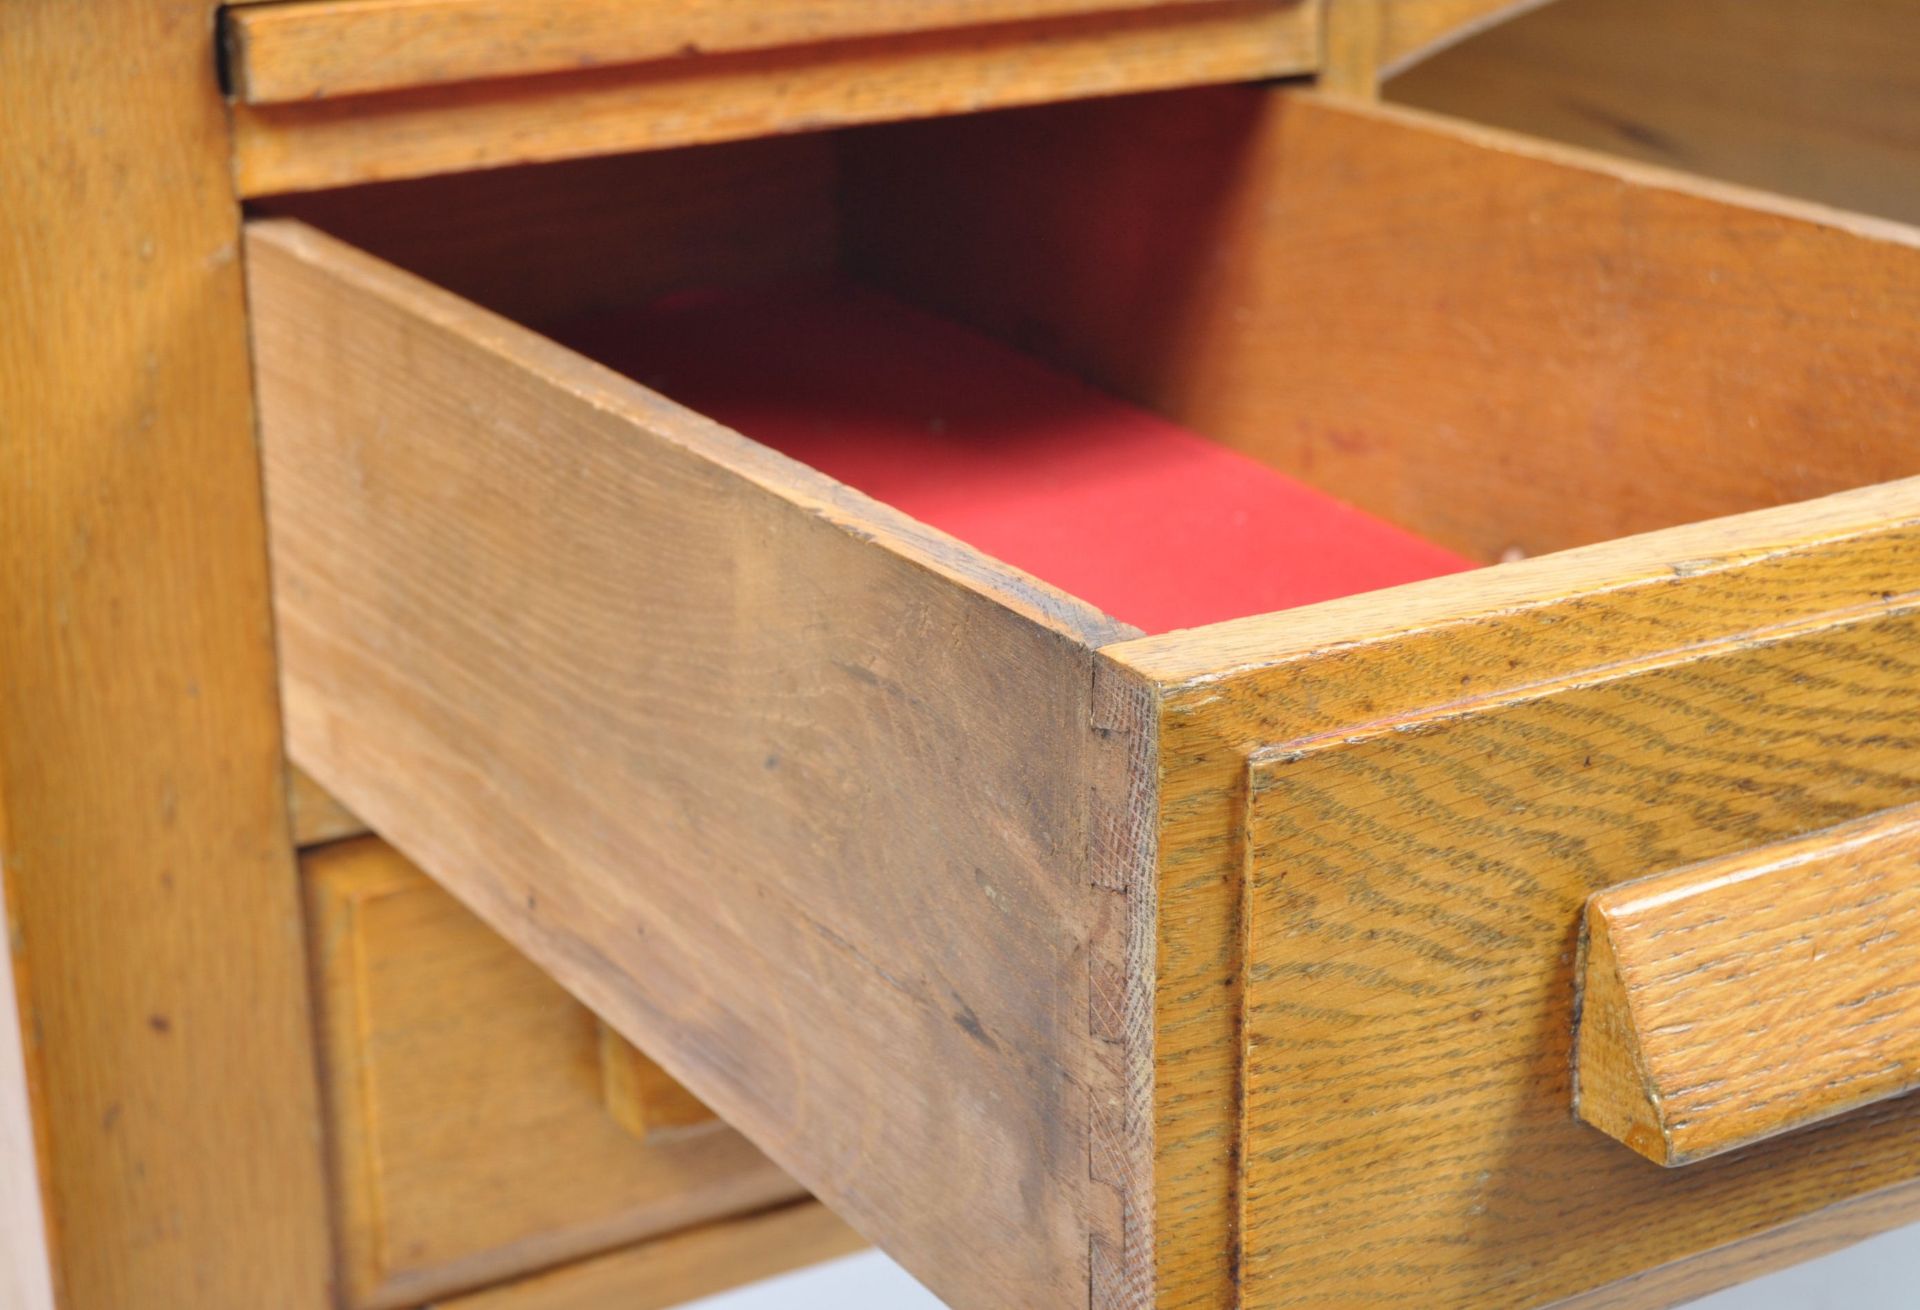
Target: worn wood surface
1757,993
311,145
469,1137
1238,688
641,1096
735,753
1820,101
671,1270
324,48
153,909
1501,346
554,241
316,815
1370,39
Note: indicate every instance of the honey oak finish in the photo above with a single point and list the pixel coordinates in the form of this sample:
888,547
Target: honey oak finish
746,836
1440,323
1174,720
1383,718
326,48
1231,691
1819,101
642,1097
474,125
1747,996
669,1271
153,912
469,1137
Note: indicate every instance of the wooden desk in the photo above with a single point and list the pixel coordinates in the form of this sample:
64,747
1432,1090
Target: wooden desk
1072,964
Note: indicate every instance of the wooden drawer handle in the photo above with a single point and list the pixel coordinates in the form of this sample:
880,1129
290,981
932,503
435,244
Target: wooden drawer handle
642,1097
1747,996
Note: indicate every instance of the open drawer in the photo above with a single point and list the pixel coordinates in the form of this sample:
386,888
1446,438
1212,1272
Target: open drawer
1227,965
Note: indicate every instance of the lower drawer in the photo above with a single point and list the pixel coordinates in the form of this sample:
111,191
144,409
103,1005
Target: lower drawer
469,1136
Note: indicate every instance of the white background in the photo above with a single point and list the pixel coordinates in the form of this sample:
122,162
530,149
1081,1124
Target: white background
1882,1273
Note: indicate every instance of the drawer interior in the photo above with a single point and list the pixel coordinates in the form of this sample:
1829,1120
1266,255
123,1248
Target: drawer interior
1107,501
1331,348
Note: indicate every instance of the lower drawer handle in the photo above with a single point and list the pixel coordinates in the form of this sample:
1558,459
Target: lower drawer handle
1730,1001
642,1097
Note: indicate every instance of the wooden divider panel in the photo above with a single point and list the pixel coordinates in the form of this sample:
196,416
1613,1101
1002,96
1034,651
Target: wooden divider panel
305,145
323,48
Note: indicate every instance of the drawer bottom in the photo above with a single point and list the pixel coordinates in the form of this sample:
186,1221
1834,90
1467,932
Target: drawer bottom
1154,524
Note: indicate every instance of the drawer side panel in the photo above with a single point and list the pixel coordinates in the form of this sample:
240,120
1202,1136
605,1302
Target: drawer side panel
790,790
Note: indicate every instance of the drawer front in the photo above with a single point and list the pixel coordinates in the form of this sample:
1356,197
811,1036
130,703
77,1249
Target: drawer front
1413,903
1394,809
468,1131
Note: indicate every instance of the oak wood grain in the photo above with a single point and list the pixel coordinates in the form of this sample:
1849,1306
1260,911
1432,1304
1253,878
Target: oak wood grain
1413,898
472,125
1819,101
469,1137
325,48
1227,692
671,1270
1758,993
152,904
1504,346
736,754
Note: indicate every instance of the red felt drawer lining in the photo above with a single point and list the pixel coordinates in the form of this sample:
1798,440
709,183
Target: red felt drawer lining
1153,524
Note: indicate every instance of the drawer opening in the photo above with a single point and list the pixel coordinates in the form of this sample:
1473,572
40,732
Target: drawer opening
1201,355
